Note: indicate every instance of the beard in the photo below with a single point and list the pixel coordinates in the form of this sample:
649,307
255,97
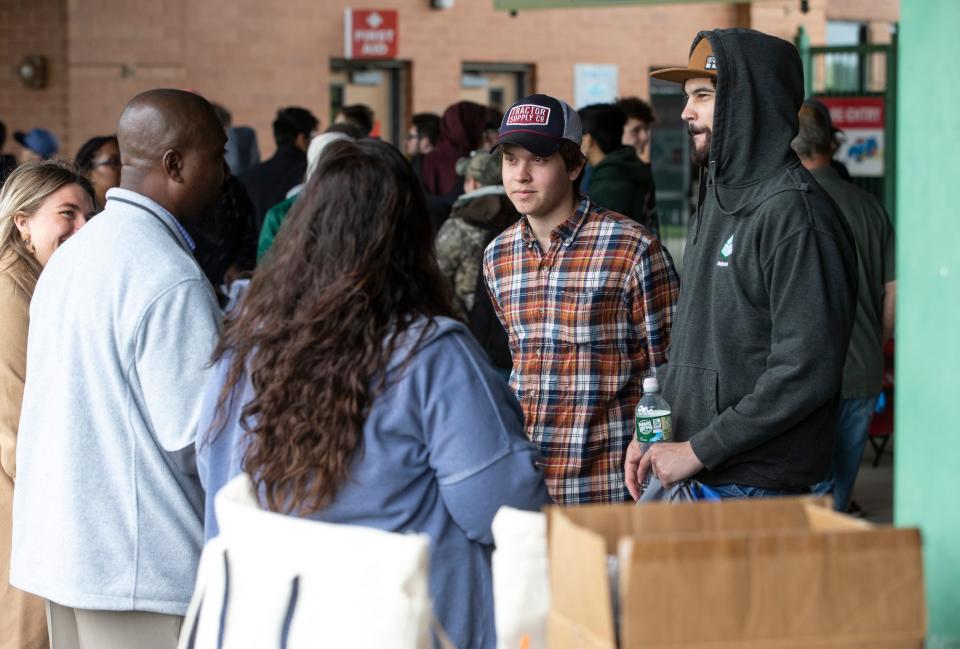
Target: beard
701,155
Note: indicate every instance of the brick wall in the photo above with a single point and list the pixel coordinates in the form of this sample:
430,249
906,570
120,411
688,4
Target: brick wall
254,56
864,10
783,18
33,27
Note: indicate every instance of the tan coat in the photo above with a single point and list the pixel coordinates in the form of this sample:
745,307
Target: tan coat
23,622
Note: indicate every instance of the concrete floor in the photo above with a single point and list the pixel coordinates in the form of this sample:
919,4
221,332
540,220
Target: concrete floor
874,488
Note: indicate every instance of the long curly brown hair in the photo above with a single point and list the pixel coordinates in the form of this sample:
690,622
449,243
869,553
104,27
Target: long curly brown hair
351,269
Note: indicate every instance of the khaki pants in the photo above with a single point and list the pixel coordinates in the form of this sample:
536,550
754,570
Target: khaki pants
74,628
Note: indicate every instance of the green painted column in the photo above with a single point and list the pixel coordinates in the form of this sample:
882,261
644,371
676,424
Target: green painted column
927,456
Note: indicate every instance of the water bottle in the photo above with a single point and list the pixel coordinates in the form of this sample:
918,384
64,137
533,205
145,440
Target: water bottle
653,419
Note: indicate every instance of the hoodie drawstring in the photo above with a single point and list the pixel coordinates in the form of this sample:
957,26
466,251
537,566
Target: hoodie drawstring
702,194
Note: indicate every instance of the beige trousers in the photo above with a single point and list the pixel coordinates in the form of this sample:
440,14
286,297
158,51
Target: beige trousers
74,628
22,622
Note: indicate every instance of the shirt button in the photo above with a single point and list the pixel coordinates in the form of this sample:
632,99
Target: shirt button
542,310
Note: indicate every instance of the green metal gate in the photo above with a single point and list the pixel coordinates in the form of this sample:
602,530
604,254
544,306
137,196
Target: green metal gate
858,71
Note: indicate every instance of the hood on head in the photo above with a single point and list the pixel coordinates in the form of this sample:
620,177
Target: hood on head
462,126
759,93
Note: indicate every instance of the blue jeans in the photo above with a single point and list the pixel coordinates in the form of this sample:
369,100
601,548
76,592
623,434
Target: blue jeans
853,427
746,491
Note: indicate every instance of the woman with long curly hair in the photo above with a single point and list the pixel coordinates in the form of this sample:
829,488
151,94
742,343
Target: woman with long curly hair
344,389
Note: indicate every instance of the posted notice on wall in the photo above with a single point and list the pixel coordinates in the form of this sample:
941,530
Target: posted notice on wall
862,121
594,84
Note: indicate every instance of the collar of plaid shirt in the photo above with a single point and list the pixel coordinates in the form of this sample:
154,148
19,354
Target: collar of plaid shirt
567,230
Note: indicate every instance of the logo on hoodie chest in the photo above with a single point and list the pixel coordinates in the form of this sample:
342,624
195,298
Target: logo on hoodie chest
725,253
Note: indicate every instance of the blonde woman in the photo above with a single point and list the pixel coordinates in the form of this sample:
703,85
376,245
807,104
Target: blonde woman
41,205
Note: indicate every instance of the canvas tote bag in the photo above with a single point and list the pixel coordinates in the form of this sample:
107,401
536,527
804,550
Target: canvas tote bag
521,579
275,581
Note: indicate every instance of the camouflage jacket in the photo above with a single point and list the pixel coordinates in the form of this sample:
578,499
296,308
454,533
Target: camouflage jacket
476,219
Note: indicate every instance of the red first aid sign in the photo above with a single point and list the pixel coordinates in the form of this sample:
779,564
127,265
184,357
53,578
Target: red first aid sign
370,33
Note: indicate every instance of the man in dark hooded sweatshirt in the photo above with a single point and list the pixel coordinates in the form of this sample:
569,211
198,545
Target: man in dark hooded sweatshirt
768,287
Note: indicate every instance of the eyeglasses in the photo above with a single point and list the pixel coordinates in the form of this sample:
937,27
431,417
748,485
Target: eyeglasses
113,163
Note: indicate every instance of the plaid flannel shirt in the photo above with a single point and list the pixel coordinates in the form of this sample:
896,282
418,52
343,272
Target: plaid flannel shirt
587,321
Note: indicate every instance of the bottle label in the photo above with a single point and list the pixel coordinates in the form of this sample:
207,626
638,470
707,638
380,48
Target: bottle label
654,426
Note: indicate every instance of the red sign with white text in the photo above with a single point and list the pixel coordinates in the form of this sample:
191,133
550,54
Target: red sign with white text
863,140
370,33
855,112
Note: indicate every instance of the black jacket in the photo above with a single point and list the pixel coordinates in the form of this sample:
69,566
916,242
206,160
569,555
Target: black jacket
768,286
622,183
227,235
494,214
7,164
268,183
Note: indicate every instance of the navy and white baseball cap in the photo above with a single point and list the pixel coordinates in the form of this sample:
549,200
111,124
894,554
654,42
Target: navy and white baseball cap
540,124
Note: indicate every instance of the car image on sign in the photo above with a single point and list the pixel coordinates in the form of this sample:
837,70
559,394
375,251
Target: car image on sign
863,148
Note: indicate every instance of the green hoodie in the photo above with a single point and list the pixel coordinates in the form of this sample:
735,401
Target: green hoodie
623,183
271,225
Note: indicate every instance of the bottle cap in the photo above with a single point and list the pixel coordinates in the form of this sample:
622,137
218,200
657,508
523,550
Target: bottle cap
650,385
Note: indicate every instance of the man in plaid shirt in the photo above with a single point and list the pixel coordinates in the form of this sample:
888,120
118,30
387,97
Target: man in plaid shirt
587,297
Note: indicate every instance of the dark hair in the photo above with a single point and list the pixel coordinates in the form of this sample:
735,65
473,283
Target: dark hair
88,151
3,134
291,122
815,136
636,108
427,125
349,274
347,128
573,157
359,114
226,119
604,123
494,119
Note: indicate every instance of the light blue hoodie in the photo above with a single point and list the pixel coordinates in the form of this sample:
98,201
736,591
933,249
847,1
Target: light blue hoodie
443,449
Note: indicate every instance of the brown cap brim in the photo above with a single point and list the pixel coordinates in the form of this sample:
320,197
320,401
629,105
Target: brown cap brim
679,75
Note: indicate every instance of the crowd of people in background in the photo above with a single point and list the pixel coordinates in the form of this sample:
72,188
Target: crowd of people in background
411,338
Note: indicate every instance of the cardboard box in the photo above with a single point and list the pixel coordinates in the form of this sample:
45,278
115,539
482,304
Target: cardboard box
775,573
